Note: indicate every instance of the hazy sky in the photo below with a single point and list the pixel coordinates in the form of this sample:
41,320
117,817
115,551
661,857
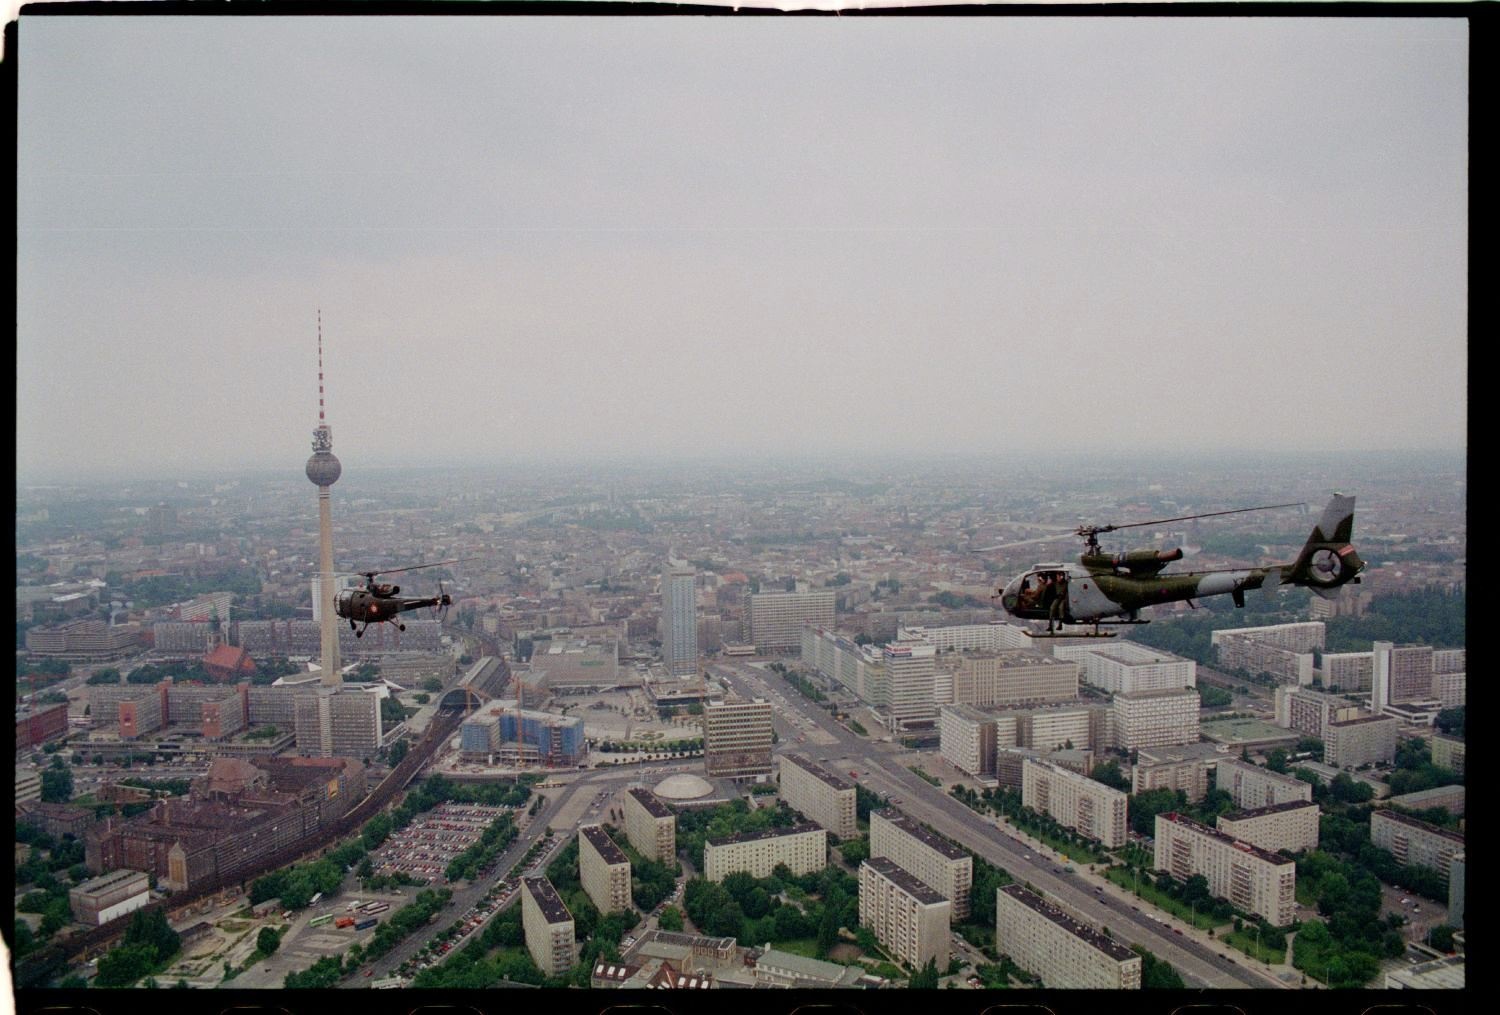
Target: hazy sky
657,236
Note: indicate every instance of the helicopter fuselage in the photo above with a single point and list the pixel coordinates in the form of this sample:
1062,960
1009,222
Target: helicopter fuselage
365,606
1101,586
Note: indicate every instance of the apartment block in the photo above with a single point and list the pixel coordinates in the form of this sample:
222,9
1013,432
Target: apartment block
776,618
803,848
927,856
102,899
604,869
1450,689
737,739
1401,673
1456,877
1018,677
967,739
1254,879
1348,671
911,920
1414,842
823,797
547,926
1129,668
1292,826
28,784
1183,767
1309,712
1285,651
1448,752
1367,740
338,722
1083,725
38,725
650,825
1074,801
1154,718
859,668
996,636
1253,786
1064,953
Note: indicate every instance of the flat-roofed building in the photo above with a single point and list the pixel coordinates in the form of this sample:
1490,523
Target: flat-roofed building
1257,881
1437,974
1448,752
803,848
40,724
1008,764
822,796
859,668
1347,671
910,919
1252,786
1128,667
84,641
650,825
1013,678
1401,673
1309,712
102,899
1415,843
1154,718
1075,801
1367,740
967,739
777,618
788,970
1449,798
28,784
939,864
995,636
737,739
1285,651
1183,767
1053,946
338,722
1067,725
1450,689
911,673
547,926
604,870
1292,826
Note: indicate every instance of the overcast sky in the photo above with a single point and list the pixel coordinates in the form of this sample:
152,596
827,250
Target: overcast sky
667,236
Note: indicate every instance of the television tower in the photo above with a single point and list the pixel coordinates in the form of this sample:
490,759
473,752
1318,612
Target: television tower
324,470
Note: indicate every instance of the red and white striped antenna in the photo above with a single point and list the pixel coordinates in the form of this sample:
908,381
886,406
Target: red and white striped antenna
320,364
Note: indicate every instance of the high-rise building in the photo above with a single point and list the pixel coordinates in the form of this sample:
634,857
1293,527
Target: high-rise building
1162,718
931,859
910,672
1401,673
679,621
776,618
1075,801
604,870
335,722
1015,677
1053,946
967,739
1128,667
650,825
1414,842
1292,826
911,920
1364,740
737,739
547,926
1256,880
323,469
819,794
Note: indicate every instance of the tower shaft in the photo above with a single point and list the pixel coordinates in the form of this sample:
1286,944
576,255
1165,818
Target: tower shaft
327,590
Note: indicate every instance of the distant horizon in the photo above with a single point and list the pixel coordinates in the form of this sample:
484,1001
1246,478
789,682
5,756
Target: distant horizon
839,463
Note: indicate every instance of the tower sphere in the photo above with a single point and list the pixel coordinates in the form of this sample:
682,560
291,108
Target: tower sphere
324,469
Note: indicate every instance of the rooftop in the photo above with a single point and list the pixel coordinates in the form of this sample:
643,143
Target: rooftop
1402,819
768,833
893,872
547,900
1258,812
603,844
1108,946
921,832
1228,840
648,800
817,771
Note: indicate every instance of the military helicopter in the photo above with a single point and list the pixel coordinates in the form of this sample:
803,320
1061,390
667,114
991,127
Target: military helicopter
1103,585
379,602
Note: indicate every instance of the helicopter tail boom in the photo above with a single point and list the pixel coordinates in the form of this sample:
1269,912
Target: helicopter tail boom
1328,560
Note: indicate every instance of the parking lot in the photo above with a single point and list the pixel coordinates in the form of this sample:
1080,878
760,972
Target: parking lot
423,849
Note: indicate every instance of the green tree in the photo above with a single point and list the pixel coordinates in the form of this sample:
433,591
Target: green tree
926,978
671,919
267,941
57,785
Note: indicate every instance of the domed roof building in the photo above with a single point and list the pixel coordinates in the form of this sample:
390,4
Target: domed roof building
683,786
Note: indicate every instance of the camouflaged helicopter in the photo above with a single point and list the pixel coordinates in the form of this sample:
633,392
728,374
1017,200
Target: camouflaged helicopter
378,602
1103,585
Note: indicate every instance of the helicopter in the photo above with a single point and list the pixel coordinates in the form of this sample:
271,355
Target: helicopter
379,602
1103,585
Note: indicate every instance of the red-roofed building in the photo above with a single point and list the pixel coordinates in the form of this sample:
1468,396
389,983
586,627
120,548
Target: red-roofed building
227,664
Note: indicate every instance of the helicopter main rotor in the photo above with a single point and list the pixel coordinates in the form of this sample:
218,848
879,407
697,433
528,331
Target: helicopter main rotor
1090,533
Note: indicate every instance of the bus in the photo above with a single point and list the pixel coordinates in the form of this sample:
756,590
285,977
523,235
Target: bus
314,900
318,921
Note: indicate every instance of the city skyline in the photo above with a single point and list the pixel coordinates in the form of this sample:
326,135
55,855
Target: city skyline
989,236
